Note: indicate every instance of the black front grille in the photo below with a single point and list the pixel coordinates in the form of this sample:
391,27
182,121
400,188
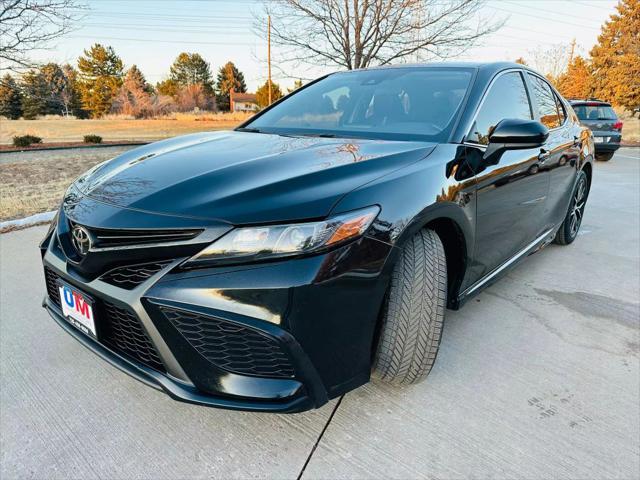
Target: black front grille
233,347
118,329
131,276
105,238
122,332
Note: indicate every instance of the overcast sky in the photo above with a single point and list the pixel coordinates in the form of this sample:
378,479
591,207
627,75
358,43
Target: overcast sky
151,33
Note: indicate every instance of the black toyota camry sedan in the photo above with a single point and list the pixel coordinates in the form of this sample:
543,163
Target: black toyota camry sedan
282,264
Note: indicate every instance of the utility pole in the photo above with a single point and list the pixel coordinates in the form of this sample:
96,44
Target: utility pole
269,54
573,47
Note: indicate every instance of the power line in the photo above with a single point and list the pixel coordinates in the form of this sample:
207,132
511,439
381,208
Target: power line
551,12
157,40
545,18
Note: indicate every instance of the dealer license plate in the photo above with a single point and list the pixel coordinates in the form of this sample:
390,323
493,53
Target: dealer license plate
77,309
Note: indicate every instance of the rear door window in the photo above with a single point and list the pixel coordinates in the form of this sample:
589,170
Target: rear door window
547,106
507,98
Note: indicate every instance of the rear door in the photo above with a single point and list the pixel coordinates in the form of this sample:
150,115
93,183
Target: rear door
560,153
511,195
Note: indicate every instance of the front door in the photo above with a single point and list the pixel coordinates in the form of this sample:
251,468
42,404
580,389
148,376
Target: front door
512,194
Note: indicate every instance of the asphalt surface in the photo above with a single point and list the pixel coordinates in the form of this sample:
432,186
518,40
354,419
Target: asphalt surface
538,377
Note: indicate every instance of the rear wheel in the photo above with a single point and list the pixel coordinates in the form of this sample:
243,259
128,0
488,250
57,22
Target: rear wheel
413,314
604,157
571,224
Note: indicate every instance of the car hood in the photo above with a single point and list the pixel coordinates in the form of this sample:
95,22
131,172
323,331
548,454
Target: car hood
242,177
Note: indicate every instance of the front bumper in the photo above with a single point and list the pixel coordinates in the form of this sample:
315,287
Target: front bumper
319,311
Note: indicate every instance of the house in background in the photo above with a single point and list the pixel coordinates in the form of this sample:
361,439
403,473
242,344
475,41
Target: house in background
243,102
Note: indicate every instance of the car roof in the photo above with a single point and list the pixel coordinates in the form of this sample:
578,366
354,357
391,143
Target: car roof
488,67
588,101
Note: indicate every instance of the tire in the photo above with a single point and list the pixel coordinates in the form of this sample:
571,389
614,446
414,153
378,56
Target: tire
413,315
569,230
604,157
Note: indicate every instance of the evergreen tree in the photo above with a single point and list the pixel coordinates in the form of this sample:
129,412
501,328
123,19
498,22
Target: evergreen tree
191,69
229,78
10,98
168,87
133,97
262,94
34,95
55,83
616,57
296,85
135,76
100,78
70,95
577,81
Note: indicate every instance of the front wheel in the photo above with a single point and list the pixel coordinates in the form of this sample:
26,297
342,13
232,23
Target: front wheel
571,224
413,314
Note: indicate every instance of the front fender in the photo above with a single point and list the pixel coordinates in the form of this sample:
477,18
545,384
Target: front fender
417,195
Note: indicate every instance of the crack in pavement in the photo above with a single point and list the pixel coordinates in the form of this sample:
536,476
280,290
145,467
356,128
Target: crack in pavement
315,445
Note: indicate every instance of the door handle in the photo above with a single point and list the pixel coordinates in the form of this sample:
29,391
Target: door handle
544,155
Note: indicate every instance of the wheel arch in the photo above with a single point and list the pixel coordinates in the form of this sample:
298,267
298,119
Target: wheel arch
454,228
587,168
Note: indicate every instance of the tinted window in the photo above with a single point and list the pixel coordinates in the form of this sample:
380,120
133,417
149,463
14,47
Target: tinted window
595,112
561,111
547,107
507,98
395,103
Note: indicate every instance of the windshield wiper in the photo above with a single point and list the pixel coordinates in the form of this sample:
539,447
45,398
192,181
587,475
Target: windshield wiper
249,130
321,135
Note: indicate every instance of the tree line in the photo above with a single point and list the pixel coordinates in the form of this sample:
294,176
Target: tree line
611,71
99,85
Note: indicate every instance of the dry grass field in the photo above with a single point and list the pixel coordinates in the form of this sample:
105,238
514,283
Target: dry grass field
58,129
34,182
630,128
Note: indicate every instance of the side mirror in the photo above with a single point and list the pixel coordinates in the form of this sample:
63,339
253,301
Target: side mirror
512,134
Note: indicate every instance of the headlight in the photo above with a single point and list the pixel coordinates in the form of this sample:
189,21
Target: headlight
258,243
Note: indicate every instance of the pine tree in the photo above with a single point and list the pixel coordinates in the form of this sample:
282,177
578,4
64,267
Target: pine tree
262,94
168,87
577,80
296,85
70,95
191,69
34,95
100,78
10,98
135,76
229,78
616,57
55,83
134,97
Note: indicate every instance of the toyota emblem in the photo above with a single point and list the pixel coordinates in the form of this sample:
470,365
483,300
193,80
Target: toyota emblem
81,240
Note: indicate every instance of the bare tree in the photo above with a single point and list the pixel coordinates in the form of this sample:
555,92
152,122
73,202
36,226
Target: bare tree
360,33
552,61
27,25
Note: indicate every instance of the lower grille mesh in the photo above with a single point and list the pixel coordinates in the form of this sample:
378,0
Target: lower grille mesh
230,346
118,329
52,285
123,332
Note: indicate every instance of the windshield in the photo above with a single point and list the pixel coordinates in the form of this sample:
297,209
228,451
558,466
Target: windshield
391,104
595,112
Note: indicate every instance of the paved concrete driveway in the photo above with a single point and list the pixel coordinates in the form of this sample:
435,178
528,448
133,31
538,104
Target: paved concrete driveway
538,377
